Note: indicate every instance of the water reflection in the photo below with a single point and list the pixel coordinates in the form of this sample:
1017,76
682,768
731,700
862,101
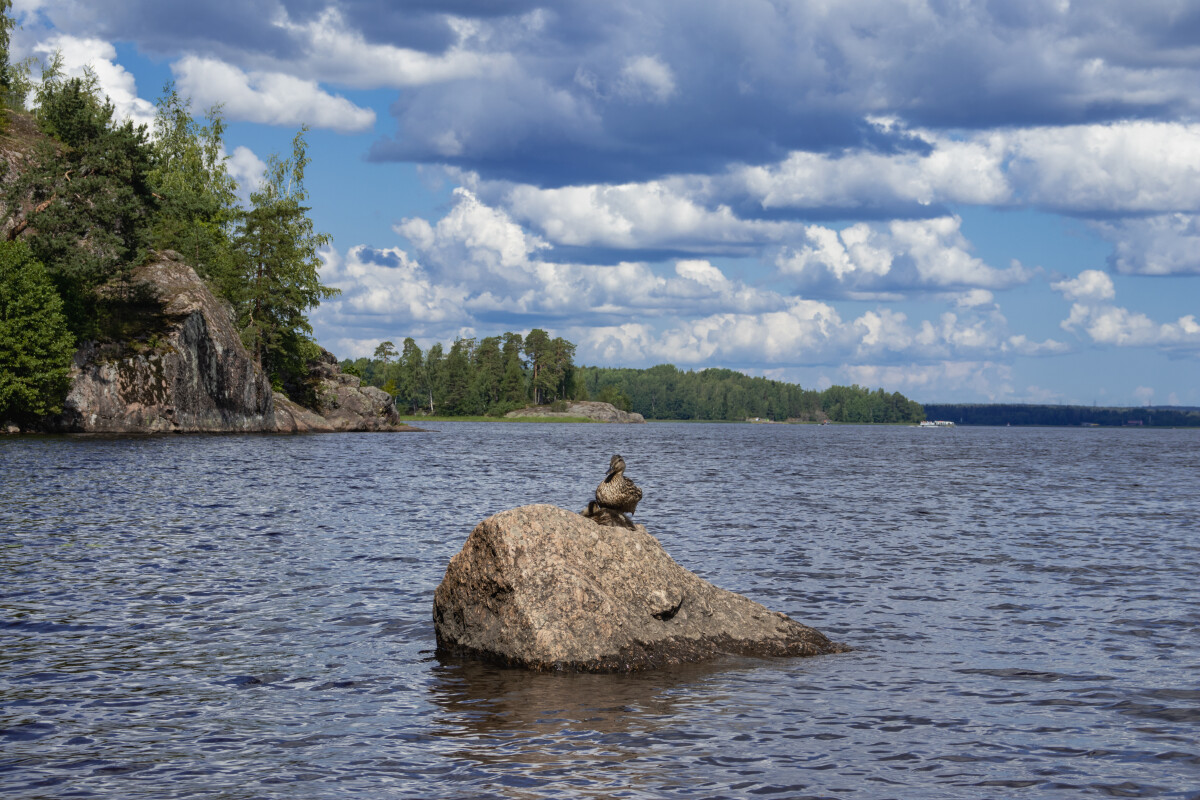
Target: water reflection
532,732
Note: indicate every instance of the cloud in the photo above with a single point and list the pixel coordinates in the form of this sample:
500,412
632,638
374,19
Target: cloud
1091,285
646,78
1114,325
247,169
386,290
1167,244
477,267
904,254
946,171
115,81
1107,324
654,214
555,94
273,98
1125,167
988,379
1122,167
334,52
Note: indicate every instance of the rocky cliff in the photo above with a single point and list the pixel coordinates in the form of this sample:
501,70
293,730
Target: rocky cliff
179,366
343,404
544,588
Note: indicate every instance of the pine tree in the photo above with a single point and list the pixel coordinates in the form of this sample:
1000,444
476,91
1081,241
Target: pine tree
412,369
512,384
35,347
90,191
198,200
539,353
279,270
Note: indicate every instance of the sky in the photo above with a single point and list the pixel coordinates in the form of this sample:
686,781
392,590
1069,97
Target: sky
992,201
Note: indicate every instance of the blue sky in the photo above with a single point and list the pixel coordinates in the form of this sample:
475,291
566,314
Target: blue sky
961,201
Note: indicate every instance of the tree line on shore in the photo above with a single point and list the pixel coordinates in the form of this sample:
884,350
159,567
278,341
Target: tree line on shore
1019,414
496,374
96,197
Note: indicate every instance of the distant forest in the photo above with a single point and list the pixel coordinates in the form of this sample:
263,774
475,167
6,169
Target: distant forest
496,374
998,414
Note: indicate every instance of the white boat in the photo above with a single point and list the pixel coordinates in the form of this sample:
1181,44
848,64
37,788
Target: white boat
936,423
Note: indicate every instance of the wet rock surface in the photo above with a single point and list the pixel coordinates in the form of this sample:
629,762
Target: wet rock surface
593,410
544,588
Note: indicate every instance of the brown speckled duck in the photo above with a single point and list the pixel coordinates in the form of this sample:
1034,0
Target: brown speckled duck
616,491
606,516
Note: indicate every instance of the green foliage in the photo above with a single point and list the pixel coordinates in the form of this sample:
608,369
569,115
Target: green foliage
35,347
498,374
99,194
612,395
15,83
198,205
277,251
90,192
6,26
1022,414
665,392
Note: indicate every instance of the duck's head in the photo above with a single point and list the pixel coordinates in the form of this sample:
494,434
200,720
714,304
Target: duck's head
615,465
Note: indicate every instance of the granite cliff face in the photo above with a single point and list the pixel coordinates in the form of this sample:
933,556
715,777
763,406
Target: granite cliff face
544,588
180,367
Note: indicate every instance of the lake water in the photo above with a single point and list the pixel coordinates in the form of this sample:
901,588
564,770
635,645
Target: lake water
250,616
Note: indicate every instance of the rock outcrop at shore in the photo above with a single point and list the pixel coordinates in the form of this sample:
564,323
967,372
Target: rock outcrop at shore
593,410
182,368
547,589
178,365
344,404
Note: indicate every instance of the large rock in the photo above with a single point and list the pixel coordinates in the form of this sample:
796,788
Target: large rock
343,403
593,410
181,367
174,363
544,588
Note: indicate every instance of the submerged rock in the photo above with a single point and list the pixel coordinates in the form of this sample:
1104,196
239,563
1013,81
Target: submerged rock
544,588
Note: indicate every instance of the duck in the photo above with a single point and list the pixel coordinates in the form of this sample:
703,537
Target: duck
606,516
616,491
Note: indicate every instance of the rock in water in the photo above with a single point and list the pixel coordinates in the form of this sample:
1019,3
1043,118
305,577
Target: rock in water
544,588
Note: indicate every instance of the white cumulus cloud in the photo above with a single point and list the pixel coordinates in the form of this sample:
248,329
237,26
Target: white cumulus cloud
1091,284
903,254
274,98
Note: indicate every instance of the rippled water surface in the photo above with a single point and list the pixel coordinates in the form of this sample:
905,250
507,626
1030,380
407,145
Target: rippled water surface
250,617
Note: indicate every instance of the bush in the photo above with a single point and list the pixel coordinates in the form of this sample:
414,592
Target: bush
35,347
